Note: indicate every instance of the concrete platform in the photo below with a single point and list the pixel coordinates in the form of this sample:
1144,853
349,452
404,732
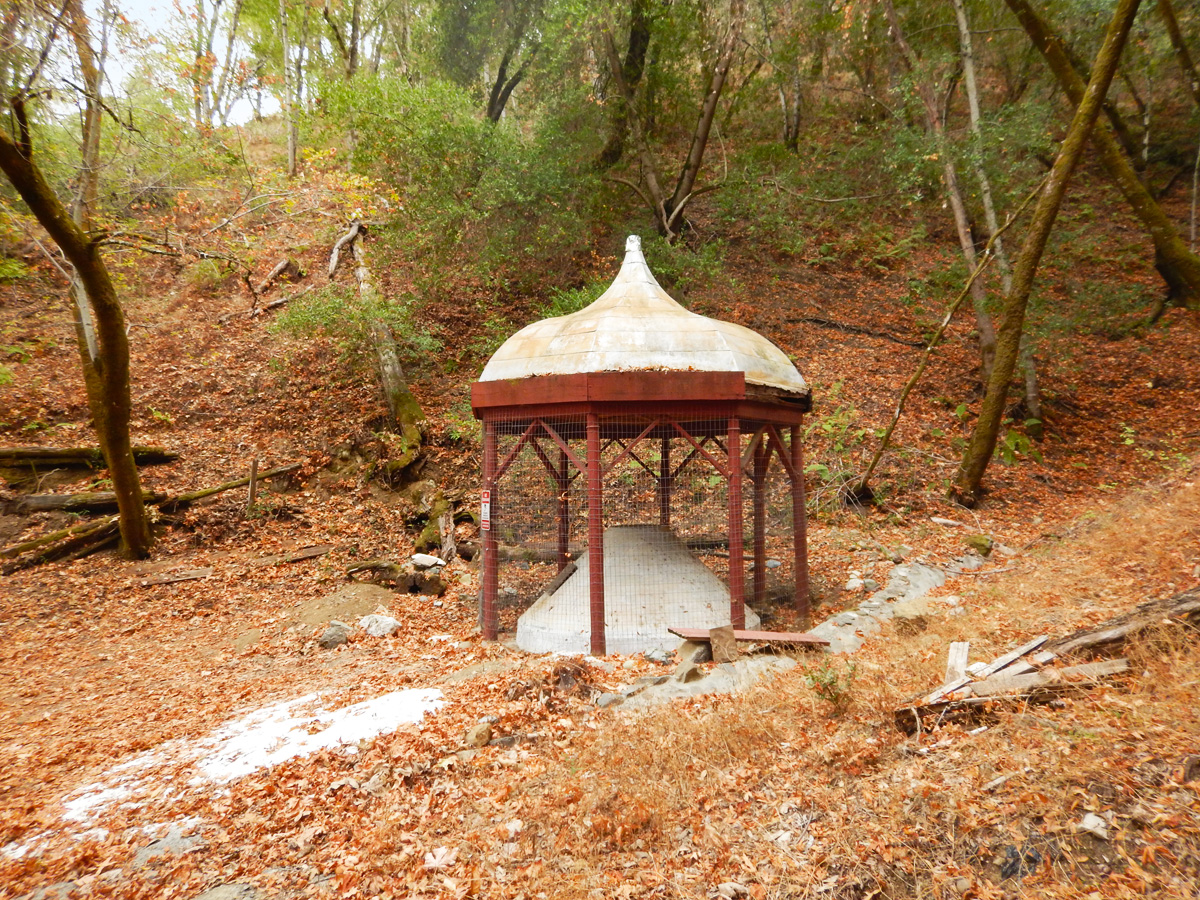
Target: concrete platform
651,583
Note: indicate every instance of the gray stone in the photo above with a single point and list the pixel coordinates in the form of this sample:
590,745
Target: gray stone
846,618
426,560
694,651
58,891
606,700
853,583
379,626
773,564
478,735
870,584
723,679
229,892
658,655
335,635
1093,824
172,843
687,672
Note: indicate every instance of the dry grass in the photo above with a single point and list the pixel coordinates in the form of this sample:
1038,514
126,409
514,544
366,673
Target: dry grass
770,790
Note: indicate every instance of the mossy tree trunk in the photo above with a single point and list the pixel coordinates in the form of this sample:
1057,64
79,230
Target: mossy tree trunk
987,428
1178,266
106,369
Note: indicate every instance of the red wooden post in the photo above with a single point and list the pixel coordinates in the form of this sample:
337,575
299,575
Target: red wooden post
491,571
760,518
737,549
664,484
799,524
595,534
564,523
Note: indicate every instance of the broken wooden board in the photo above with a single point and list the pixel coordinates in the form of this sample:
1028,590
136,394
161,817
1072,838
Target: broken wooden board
1036,687
176,577
760,637
956,660
1085,674
1012,656
294,556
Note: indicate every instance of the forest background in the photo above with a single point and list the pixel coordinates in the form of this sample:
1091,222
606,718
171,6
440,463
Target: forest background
835,175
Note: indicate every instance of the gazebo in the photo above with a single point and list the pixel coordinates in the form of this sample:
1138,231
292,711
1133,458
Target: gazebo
630,410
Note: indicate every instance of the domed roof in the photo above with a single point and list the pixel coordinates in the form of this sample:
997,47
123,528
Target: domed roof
636,326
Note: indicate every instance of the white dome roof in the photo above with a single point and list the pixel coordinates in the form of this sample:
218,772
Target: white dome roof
635,325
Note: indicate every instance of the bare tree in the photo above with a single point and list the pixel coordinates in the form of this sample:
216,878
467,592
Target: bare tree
668,208
100,321
987,428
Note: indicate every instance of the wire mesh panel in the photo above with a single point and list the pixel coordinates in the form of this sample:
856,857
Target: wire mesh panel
606,531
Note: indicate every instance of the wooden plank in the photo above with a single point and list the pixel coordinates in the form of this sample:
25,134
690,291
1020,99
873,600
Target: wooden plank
1057,678
175,577
761,637
1012,656
294,556
956,660
948,688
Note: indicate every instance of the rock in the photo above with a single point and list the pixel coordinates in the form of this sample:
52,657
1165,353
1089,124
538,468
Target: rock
426,560
1005,550
694,651
773,564
901,553
606,700
335,635
478,735
980,543
429,583
870,585
602,664
658,655
687,672
379,626
629,664
229,892
1093,824
854,582
724,644
438,603
945,523
731,889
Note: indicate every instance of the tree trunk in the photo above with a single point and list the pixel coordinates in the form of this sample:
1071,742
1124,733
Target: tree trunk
962,224
1182,55
1033,394
634,65
983,438
407,417
708,109
504,84
107,379
1179,267
289,112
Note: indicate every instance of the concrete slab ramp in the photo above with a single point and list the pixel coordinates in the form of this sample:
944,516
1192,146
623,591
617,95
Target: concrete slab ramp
651,583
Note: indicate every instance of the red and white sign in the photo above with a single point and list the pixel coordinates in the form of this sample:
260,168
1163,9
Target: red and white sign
485,511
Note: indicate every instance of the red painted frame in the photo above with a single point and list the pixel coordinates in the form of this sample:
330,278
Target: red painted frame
584,404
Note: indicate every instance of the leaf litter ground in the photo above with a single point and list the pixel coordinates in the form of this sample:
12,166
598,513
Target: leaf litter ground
764,795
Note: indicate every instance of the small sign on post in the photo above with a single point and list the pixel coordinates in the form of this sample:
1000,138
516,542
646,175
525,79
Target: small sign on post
485,511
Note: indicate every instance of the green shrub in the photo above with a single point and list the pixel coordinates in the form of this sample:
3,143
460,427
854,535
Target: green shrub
338,314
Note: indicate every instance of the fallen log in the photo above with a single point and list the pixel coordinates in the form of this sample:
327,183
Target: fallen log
88,501
85,527
1184,606
179,501
81,457
75,543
